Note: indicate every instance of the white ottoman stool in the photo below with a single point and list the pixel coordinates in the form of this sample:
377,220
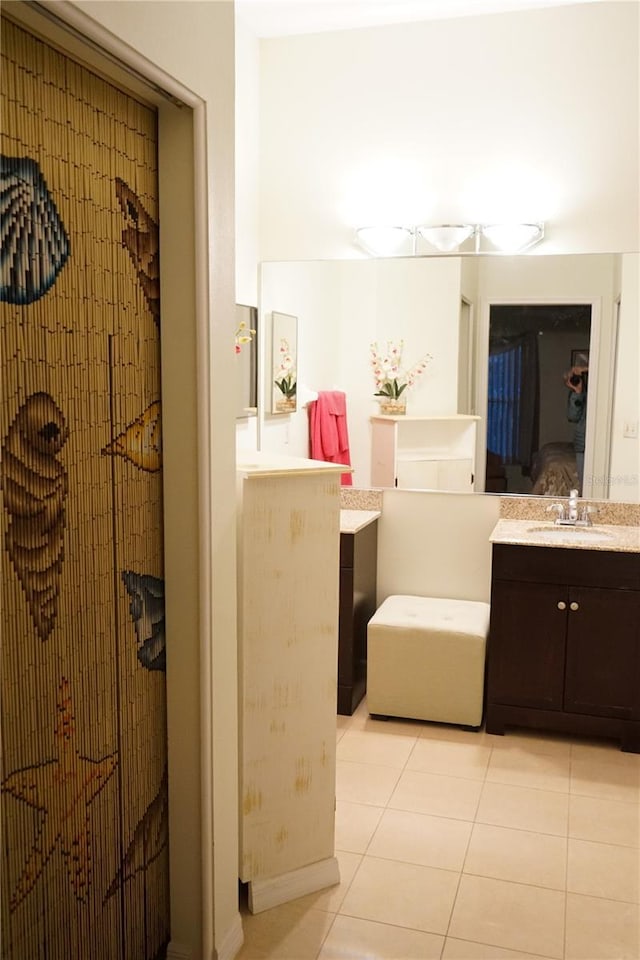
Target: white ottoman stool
425,659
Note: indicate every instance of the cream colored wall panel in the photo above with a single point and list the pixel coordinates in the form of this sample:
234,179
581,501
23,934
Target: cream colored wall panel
436,544
288,630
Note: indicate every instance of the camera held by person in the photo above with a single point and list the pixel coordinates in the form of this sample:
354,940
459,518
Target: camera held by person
576,379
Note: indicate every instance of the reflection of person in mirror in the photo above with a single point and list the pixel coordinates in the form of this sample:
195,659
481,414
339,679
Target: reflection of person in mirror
576,381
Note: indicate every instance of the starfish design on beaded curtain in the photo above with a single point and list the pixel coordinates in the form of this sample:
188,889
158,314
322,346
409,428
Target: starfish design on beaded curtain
62,790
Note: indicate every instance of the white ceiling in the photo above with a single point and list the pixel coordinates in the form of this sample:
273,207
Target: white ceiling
278,18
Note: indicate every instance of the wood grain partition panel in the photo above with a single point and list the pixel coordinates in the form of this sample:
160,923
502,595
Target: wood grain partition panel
84,758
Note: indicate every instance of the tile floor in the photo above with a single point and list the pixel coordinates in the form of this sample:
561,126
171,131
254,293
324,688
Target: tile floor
456,845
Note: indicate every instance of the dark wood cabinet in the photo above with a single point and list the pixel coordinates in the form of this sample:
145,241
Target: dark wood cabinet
358,572
527,645
602,676
564,642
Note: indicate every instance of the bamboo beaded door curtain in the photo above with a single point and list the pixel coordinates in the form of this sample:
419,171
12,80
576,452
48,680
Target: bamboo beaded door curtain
84,767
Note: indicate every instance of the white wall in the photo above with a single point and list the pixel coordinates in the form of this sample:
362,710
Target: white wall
525,115
436,544
625,451
247,156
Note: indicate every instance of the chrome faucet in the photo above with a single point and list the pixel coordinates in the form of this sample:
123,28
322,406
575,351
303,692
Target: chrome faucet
567,514
570,515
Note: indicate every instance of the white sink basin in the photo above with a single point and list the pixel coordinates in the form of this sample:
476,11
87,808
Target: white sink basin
571,534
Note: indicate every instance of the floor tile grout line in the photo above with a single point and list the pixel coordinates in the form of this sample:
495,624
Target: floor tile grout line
566,885
519,883
464,859
409,863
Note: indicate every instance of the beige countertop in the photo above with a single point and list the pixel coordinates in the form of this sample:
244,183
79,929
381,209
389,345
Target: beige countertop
270,465
353,520
540,533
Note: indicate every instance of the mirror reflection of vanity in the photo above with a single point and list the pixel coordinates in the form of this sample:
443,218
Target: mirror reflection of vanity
441,306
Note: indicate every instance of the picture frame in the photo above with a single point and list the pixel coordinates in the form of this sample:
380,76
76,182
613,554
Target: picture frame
246,361
284,363
580,357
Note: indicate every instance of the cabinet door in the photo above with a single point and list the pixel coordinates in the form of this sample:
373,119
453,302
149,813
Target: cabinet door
456,475
527,644
603,653
417,475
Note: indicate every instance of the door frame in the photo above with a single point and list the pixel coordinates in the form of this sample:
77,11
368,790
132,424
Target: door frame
601,357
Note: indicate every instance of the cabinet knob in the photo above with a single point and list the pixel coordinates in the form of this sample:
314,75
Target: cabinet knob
562,605
574,605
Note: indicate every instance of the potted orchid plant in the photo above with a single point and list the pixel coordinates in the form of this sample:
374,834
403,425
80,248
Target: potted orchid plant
244,334
390,379
285,378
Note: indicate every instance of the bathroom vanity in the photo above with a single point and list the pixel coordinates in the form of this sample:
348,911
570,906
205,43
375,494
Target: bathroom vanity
358,575
564,639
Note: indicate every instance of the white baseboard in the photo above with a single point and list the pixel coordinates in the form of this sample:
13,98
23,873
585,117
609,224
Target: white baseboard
264,894
232,941
177,951
227,950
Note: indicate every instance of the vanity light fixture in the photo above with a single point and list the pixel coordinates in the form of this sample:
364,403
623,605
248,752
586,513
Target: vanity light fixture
384,241
513,237
447,237
494,238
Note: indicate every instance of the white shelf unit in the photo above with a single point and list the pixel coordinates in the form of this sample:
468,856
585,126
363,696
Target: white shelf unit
424,453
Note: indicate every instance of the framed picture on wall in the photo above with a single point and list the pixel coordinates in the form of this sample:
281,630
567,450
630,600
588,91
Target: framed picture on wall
246,361
580,358
284,352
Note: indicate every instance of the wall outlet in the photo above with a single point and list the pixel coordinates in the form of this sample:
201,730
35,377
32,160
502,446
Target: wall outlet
630,428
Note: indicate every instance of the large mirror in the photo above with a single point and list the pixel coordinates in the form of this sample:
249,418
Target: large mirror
466,311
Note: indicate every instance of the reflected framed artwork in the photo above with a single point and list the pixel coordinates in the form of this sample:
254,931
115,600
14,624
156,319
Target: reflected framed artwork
284,362
246,361
580,358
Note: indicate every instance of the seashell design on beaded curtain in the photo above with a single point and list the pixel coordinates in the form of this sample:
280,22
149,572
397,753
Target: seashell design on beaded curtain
35,246
141,441
140,238
35,486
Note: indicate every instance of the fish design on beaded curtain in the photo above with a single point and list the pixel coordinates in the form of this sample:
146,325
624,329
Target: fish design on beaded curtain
146,607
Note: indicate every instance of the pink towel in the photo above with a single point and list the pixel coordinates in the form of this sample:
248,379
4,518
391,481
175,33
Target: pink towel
328,436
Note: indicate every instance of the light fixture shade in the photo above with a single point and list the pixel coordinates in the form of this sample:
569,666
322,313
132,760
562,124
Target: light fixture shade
383,241
513,237
448,236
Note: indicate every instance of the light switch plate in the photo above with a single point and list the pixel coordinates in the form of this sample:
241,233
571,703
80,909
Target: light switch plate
630,428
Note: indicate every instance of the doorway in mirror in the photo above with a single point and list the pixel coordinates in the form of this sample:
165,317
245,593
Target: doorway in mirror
536,418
